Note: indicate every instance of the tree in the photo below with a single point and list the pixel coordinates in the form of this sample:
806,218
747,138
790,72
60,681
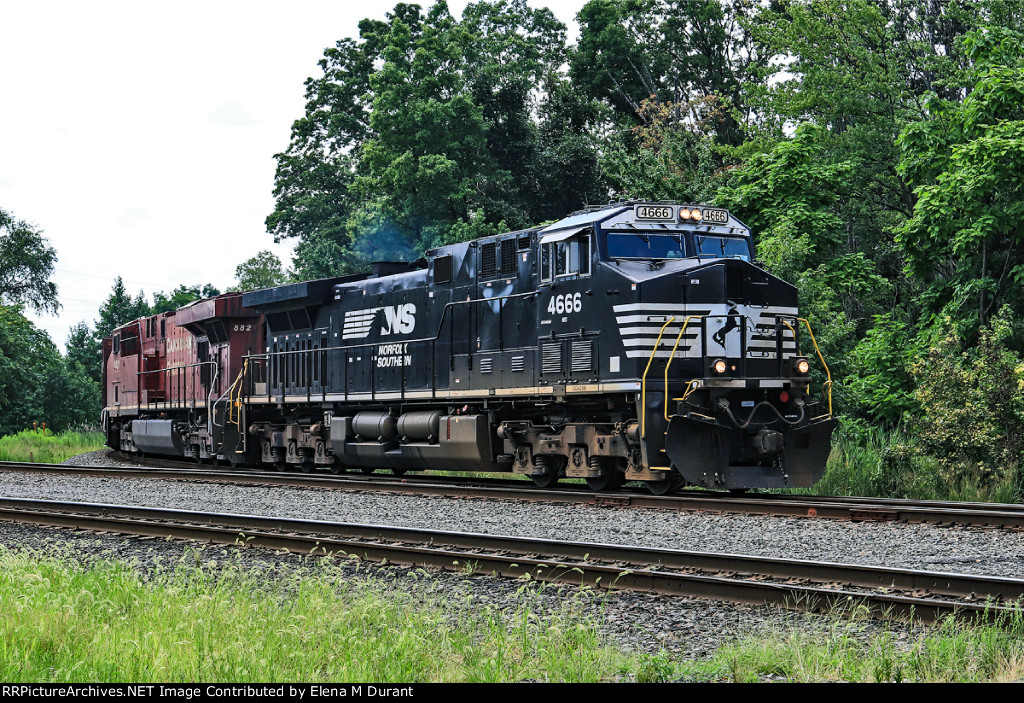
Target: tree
668,51
26,264
670,156
181,296
423,130
861,70
84,350
965,241
119,308
36,384
261,271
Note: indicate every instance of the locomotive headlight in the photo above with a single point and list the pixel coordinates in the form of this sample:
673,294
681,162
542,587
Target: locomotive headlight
802,367
684,214
719,367
695,214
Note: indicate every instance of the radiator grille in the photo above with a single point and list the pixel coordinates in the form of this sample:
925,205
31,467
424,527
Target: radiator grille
508,257
486,365
488,259
518,363
551,358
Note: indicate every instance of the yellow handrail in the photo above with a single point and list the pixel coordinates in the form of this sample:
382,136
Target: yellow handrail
643,381
672,357
235,399
828,373
827,385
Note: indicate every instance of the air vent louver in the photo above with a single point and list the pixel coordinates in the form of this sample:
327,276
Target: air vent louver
551,358
582,356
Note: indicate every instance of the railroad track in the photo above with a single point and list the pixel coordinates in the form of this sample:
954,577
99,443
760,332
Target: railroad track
814,586
993,515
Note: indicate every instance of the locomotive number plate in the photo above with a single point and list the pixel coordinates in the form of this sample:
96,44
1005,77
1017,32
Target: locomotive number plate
716,216
654,212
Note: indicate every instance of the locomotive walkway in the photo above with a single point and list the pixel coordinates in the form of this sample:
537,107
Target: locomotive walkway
803,585
993,515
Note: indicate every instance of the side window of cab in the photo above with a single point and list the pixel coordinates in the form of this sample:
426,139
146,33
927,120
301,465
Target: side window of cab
569,256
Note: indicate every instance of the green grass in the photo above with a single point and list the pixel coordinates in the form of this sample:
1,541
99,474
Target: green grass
202,621
842,649
871,461
44,447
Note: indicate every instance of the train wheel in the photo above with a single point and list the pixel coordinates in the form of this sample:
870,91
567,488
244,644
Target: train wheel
552,466
664,486
306,467
367,470
608,481
545,480
337,468
399,472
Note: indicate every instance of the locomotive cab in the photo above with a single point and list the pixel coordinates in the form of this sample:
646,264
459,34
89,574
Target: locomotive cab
713,341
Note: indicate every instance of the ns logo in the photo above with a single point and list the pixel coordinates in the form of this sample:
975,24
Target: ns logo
399,319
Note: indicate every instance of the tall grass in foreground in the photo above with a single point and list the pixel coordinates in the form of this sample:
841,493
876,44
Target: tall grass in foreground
200,621
841,651
44,447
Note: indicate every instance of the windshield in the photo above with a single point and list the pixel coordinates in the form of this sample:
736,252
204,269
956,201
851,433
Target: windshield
652,245
721,247
646,246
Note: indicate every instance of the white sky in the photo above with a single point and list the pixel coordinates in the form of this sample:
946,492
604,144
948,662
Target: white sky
139,136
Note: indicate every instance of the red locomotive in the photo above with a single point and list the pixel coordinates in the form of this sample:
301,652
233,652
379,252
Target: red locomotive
167,379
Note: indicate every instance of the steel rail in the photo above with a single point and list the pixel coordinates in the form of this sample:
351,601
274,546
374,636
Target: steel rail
994,515
784,582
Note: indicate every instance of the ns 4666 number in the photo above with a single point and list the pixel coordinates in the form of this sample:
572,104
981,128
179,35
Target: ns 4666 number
570,302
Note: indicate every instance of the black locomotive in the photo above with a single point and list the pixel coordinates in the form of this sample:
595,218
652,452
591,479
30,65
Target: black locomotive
636,341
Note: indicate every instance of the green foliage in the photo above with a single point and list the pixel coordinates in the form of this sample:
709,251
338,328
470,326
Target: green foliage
120,308
668,157
880,378
676,52
426,124
26,264
180,297
43,446
965,239
971,409
264,270
36,384
791,197
84,350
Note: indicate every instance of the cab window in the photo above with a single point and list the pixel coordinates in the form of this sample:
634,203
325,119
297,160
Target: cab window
721,247
569,257
644,245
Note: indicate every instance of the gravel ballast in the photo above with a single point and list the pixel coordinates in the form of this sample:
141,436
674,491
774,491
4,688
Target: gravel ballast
688,628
